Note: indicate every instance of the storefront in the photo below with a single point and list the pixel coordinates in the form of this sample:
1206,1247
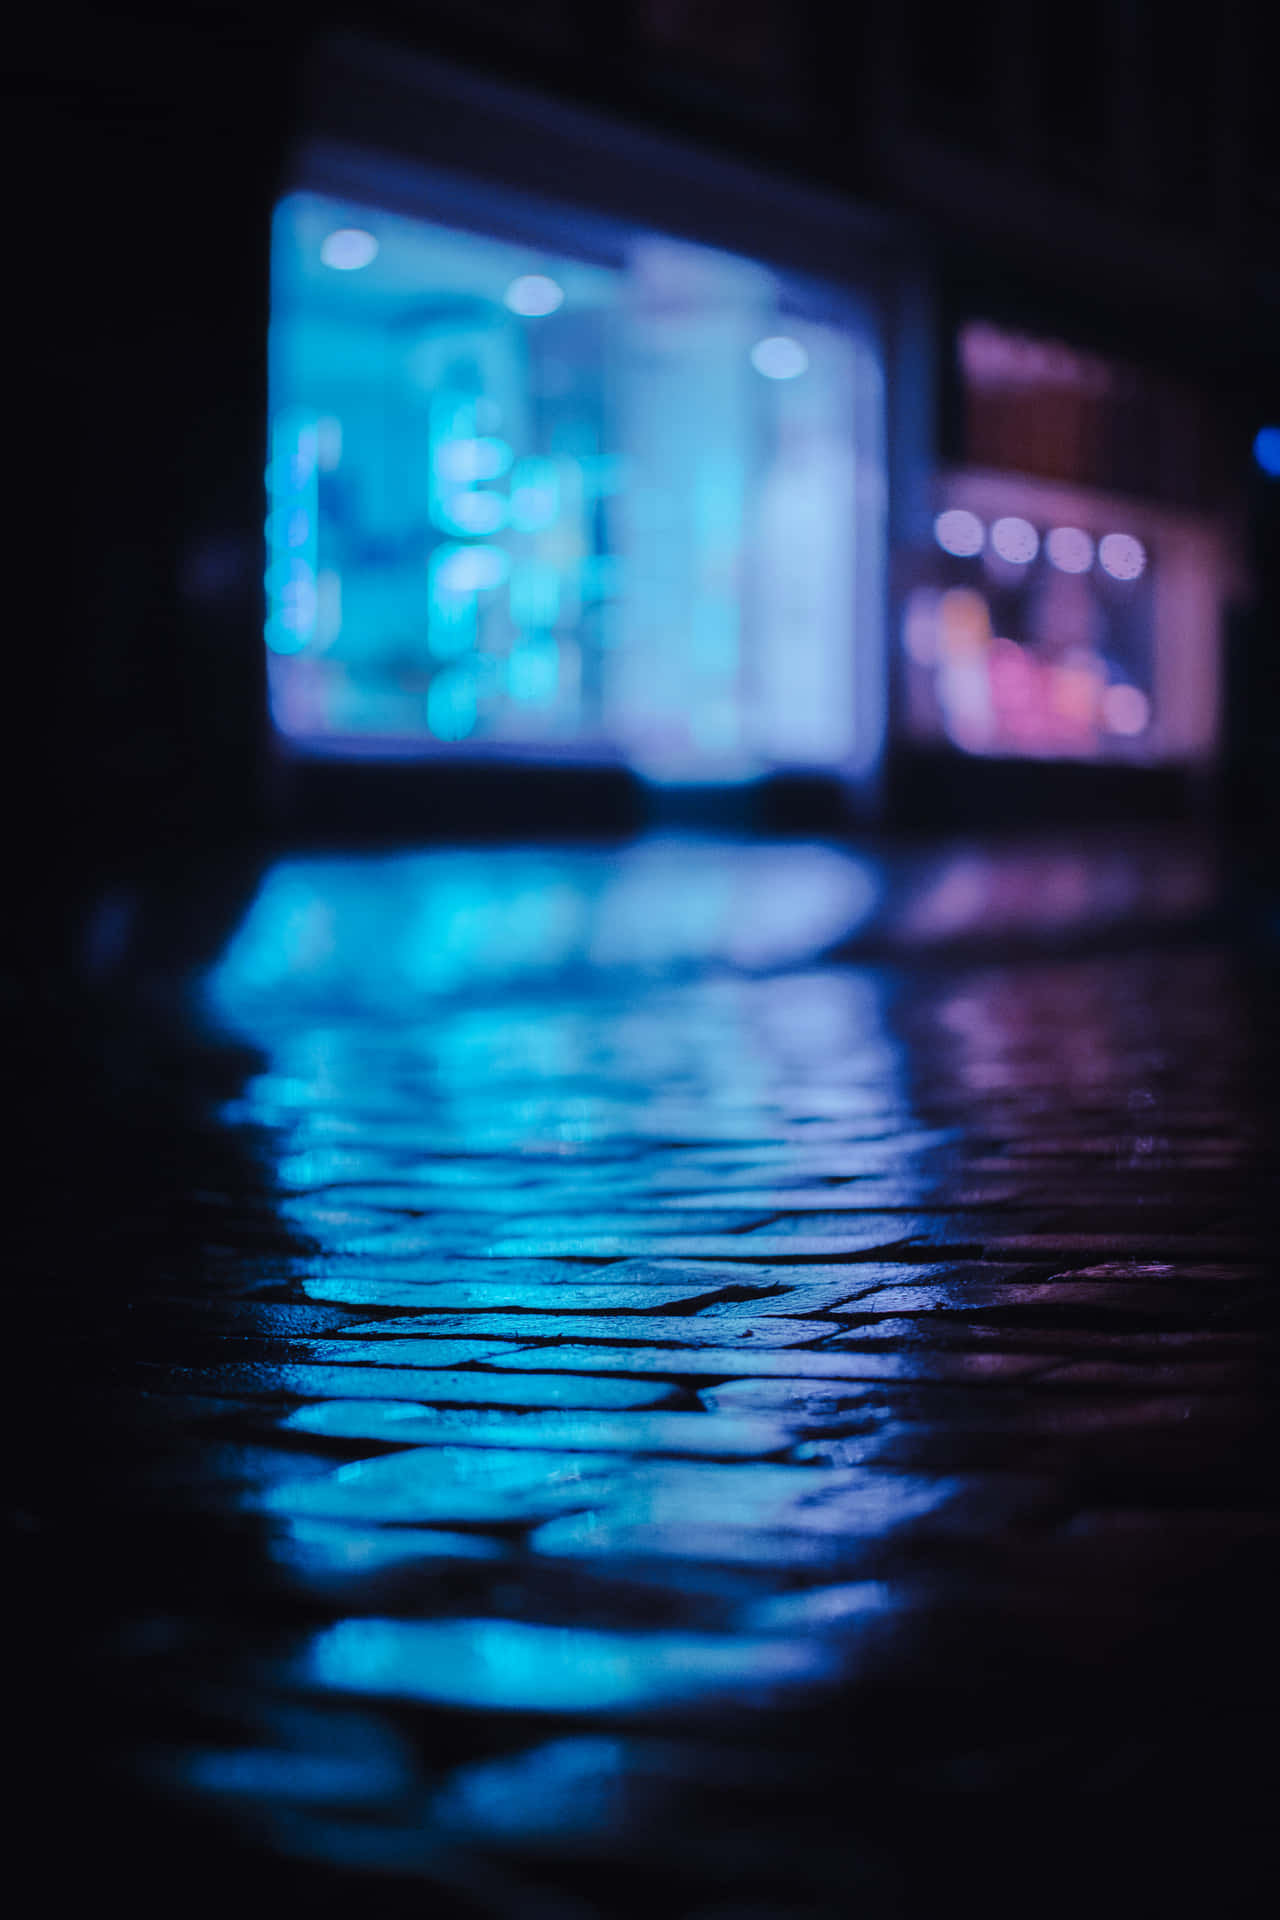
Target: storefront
1069,603
572,476
591,450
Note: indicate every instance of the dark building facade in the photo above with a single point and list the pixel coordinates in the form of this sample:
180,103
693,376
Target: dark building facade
1095,200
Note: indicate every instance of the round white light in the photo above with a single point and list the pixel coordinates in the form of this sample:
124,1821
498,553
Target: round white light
779,357
959,532
1015,540
478,512
1070,549
1122,556
1125,710
348,248
533,294
466,460
472,569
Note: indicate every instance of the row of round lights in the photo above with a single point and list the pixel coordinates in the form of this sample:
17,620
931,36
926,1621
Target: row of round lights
1012,539
534,295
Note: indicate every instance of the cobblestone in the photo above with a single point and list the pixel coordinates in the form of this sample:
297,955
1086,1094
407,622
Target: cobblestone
573,1415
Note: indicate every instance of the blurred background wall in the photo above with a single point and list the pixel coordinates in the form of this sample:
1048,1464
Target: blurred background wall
1101,178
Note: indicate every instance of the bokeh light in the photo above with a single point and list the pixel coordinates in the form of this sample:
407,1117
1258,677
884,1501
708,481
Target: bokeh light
472,569
1125,710
1015,540
1123,557
348,248
1070,549
1266,450
779,357
533,295
959,533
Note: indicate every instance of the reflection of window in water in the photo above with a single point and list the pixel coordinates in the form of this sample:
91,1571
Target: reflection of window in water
1031,640
529,501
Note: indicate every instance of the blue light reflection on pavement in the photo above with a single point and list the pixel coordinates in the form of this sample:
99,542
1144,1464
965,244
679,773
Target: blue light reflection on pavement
383,936
617,1182
512,1666
464,1045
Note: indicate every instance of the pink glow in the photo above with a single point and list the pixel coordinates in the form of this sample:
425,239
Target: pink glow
1125,710
993,358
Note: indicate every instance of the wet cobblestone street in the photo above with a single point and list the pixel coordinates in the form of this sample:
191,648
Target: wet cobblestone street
581,1377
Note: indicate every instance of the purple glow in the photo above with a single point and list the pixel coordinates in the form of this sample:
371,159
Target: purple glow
959,533
1125,710
1070,549
1120,555
1015,540
1035,654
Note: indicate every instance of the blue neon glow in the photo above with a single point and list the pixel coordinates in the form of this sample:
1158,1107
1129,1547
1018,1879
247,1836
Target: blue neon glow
292,531
393,933
510,1665
539,504
1266,450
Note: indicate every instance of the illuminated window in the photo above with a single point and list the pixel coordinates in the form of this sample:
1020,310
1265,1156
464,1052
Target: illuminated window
1037,641
601,504
1070,602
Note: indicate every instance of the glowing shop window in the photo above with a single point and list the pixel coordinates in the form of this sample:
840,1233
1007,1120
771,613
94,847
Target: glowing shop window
574,507
1031,641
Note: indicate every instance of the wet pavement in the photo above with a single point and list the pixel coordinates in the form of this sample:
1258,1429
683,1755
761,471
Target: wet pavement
569,1375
